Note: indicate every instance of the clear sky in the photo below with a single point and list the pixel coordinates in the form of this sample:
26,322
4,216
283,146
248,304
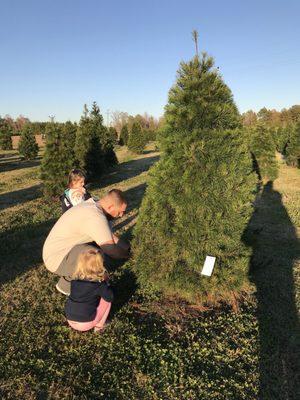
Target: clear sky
56,55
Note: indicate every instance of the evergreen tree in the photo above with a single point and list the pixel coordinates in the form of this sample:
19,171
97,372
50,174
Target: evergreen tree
262,148
113,134
198,200
53,167
197,203
5,135
28,147
136,141
88,149
281,137
69,130
106,141
124,135
293,148
200,98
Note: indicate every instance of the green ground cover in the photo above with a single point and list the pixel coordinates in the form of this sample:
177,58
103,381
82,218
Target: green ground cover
154,348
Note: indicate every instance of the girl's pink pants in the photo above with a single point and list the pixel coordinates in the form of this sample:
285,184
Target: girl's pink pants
103,310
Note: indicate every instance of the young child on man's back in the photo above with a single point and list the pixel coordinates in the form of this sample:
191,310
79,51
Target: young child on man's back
91,296
76,192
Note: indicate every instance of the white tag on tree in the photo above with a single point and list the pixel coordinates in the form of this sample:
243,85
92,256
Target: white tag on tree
208,266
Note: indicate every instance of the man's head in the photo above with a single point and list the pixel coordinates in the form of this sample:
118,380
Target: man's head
114,204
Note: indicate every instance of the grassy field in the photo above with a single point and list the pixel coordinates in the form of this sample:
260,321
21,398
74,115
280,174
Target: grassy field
154,348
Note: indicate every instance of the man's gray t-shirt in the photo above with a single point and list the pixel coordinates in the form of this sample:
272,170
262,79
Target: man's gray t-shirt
83,223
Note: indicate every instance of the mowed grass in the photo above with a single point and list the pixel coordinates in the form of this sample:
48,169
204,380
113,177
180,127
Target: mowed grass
155,348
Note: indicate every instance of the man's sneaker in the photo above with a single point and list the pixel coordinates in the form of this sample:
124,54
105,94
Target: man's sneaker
63,286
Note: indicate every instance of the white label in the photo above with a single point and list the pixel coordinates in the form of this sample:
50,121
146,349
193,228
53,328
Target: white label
208,266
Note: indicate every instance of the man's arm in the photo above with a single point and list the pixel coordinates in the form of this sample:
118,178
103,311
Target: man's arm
113,250
121,242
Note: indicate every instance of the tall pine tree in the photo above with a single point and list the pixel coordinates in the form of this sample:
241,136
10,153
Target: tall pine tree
198,200
28,147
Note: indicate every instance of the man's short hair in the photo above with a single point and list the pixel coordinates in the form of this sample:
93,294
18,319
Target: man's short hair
117,196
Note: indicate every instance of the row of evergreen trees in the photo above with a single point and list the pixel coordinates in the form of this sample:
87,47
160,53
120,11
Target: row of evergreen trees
88,145
28,147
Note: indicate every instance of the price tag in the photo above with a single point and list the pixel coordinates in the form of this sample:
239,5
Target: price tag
208,266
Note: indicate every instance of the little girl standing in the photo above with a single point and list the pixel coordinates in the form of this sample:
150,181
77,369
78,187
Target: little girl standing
76,192
89,303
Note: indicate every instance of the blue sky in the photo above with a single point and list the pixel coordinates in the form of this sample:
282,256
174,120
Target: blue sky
57,55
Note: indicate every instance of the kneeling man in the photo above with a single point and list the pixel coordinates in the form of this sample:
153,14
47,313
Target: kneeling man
80,228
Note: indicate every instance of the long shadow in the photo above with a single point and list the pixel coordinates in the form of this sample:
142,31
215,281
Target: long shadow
11,199
275,247
124,171
17,163
21,249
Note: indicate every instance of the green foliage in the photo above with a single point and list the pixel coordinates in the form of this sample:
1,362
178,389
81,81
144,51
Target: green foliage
5,135
200,98
293,148
262,148
202,210
124,135
28,147
108,141
88,149
113,134
94,147
282,137
57,160
69,130
136,141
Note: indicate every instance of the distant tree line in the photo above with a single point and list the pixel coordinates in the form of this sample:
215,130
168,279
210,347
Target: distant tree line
280,129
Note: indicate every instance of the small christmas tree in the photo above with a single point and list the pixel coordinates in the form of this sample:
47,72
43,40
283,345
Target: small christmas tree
68,137
28,147
53,167
262,148
124,135
113,135
136,141
88,149
106,140
5,135
293,148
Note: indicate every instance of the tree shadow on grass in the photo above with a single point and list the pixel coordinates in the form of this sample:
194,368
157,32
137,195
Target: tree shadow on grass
275,246
21,249
12,164
124,171
11,199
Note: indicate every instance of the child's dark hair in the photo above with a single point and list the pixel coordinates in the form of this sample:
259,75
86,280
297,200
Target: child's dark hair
75,175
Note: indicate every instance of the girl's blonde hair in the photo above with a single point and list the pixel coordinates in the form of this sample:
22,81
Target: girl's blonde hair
90,266
74,176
